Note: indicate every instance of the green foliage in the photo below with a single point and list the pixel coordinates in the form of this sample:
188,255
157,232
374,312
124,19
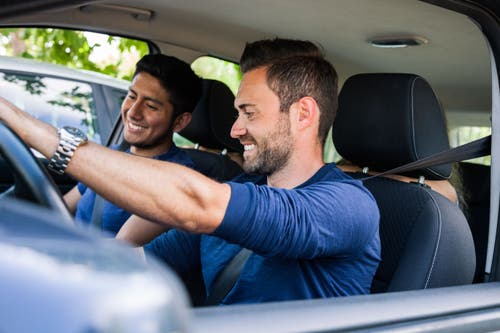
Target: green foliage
64,47
218,69
330,154
32,84
70,48
127,44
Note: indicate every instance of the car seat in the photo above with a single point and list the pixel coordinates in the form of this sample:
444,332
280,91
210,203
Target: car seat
385,121
210,127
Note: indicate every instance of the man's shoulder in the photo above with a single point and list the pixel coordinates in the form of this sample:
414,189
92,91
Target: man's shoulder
331,181
328,173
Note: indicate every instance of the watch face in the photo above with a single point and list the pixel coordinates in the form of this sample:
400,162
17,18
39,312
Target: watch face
75,131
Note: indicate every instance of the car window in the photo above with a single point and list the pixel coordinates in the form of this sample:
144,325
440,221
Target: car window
330,154
56,101
461,135
68,77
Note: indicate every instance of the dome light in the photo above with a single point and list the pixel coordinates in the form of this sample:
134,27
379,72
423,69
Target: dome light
397,42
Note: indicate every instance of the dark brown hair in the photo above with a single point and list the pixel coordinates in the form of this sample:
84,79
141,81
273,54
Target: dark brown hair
264,52
176,77
296,69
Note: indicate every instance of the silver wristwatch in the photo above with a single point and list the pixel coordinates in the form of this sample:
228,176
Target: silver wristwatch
69,139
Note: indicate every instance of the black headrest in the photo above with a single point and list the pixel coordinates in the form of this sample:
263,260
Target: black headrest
388,120
213,118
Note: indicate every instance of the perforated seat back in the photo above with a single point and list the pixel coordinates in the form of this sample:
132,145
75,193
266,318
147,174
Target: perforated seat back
210,127
426,241
216,166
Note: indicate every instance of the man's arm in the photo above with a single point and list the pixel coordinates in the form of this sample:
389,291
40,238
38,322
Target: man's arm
155,190
72,197
139,231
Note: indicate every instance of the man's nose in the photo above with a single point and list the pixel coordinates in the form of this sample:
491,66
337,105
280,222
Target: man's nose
238,128
135,110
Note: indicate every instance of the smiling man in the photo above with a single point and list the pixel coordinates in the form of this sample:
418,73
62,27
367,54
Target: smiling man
163,94
312,230
265,152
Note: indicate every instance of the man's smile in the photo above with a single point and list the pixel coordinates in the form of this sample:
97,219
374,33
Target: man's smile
135,127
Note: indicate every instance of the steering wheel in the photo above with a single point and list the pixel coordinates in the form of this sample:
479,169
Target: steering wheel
31,179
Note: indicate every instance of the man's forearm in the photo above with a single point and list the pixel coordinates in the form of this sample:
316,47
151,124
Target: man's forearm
139,231
29,129
156,190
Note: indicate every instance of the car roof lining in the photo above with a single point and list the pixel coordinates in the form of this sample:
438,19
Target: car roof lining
188,28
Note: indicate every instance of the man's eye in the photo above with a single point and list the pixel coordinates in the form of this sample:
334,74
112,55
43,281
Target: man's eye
131,96
152,107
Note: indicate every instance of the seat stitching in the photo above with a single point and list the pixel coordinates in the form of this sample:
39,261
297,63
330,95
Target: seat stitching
415,151
438,240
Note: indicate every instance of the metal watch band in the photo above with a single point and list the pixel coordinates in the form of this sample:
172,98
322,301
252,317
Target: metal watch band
69,139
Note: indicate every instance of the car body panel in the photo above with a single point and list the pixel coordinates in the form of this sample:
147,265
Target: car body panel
63,279
22,65
412,311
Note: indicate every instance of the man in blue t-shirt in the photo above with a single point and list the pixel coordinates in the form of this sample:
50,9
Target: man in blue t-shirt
163,93
319,239
312,230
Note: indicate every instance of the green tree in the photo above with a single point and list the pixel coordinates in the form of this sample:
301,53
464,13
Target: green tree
69,48
218,69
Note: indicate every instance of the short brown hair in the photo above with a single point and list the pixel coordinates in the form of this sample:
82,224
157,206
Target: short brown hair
264,52
296,69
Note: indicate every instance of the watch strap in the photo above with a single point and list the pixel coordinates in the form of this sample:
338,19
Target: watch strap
67,145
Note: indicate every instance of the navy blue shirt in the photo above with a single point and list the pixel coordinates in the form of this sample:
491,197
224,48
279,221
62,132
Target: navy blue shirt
113,217
317,240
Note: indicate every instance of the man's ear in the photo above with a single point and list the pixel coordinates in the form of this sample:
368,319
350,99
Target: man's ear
181,121
307,111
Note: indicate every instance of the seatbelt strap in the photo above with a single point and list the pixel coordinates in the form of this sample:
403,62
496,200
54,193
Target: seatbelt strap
477,148
227,278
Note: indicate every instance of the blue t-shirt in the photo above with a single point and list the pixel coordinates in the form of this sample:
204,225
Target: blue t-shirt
317,240
113,217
